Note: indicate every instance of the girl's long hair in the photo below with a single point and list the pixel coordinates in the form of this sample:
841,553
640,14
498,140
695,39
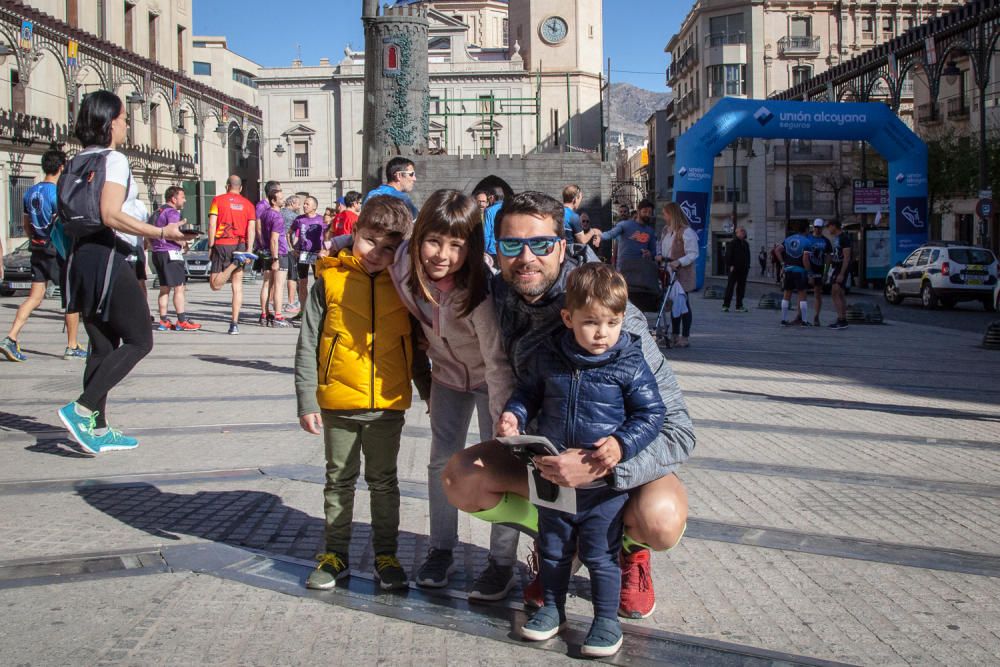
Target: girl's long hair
451,213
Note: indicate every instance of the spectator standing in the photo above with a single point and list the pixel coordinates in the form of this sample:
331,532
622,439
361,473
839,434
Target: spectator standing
794,256
819,256
840,269
343,223
737,270
400,179
291,210
679,249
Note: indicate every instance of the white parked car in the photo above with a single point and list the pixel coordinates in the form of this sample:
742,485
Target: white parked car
944,274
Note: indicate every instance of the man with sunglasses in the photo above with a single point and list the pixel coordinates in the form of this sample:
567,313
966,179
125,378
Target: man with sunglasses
487,481
400,177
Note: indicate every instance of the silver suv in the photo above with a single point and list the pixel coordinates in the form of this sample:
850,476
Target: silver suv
944,274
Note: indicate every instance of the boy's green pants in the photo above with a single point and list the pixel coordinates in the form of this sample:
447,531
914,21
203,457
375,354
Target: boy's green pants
346,438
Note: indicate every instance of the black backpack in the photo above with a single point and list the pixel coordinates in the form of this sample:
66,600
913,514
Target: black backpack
79,194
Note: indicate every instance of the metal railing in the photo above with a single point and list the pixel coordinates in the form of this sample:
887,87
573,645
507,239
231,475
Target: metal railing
958,109
723,38
928,113
790,44
822,153
300,172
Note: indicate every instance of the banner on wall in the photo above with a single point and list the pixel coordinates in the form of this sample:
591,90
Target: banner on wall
27,35
72,53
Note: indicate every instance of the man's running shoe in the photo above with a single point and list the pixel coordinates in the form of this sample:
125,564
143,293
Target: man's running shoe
534,596
725,309
12,350
188,325
545,624
74,353
332,567
494,583
241,259
839,324
391,575
742,309
604,638
81,429
802,323
262,320
785,323
291,307
434,572
114,440
234,329
280,321
637,598
165,325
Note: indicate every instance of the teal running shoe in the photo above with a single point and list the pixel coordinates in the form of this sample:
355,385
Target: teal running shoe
115,440
81,429
10,349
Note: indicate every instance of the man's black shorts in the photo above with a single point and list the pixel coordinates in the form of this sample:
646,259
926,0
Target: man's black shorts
795,281
222,256
170,271
46,267
293,269
302,271
264,263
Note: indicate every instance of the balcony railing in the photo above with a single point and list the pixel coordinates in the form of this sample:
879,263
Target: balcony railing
822,153
928,113
958,109
724,38
798,45
729,195
815,207
300,172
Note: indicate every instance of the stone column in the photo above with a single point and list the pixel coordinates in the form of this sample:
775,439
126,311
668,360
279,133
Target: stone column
396,87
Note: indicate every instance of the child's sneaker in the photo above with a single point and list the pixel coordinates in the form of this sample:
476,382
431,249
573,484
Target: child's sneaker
165,325
11,350
74,353
390,573
331,568
81,428
604,638
545,624
435,570
494,583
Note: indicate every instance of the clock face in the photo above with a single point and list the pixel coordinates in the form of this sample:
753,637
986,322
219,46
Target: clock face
554,29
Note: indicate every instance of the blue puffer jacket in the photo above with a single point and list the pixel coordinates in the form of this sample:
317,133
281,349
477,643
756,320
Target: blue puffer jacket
580,398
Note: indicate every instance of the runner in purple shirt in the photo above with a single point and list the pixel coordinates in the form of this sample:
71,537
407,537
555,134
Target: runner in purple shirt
274,253
307,232
168,260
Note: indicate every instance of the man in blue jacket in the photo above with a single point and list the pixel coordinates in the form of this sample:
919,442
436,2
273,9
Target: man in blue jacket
485,479
400,177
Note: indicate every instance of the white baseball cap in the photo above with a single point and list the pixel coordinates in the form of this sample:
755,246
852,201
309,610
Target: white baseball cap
818,222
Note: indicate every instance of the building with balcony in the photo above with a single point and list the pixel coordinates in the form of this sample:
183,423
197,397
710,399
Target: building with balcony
739,48
492,93
183,130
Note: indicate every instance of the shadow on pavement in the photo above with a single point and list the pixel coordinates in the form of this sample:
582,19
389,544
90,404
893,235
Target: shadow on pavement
57,446
254,364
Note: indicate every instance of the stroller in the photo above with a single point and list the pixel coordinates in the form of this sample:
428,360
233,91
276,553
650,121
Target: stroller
661,327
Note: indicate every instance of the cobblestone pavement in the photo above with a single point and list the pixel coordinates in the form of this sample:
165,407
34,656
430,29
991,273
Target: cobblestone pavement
845,495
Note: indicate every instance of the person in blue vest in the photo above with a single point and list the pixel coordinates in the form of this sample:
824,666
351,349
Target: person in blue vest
400,177
572,197
494,198
48,262
819,255
794,256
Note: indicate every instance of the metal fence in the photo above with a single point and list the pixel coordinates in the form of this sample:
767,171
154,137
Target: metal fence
17,187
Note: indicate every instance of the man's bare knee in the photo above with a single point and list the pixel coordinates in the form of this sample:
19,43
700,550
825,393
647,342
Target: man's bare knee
657,515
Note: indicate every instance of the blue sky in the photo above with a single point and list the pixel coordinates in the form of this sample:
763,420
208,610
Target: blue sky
270,33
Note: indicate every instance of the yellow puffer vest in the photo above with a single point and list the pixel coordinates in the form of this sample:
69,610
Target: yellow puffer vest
364,348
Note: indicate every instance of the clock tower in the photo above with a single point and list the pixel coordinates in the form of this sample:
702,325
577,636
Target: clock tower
564,35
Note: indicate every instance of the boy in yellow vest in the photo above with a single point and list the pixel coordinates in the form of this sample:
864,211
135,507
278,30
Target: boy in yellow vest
352,381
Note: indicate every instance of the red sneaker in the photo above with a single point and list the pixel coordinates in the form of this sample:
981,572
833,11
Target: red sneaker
188,325
165,325
533,594
638,599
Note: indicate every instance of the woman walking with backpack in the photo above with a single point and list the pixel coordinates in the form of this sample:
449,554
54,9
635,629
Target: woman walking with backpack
95,192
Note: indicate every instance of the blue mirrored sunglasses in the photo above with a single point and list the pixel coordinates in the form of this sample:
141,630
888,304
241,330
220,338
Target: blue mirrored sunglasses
538,245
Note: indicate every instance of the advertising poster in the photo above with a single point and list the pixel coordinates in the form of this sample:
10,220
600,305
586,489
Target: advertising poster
878,255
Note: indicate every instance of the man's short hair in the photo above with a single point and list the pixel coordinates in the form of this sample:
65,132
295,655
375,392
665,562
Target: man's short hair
314,200
352,198
269,188
596,284
537,204
396,165
570,193
172,192
52,161
291,201
645,203
386,215
234,182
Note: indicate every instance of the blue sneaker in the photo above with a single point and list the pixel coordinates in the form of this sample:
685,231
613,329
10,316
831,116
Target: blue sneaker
115,440
81,428
545,624
234,329
604,638
241,259
11,350
74,353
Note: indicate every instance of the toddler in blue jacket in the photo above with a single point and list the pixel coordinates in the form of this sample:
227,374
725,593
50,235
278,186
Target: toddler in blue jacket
592,389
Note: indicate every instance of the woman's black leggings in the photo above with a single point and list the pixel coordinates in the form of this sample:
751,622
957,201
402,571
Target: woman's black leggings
117,345
682,325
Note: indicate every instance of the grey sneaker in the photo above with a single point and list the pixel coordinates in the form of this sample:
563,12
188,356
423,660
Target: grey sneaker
545,624
435,570
494,583
74,353
11,350
604,638
331,568
390,573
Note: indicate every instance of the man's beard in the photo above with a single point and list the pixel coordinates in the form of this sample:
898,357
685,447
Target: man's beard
533,290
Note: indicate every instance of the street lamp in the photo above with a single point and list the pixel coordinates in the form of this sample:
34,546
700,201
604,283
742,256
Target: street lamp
951,72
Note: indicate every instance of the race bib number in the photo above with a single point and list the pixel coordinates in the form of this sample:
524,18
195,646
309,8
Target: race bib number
175,255
307,258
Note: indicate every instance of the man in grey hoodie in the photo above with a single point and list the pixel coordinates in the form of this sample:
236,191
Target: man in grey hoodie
488,482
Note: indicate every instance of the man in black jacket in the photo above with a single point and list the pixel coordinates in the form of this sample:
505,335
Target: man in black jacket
737,268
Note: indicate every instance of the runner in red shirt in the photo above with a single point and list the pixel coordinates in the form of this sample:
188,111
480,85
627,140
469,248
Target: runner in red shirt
343,223
231,228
